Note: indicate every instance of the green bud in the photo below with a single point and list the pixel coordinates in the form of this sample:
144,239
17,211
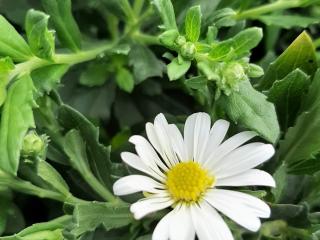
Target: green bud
255,71
168,38
33,145
188,50
180,41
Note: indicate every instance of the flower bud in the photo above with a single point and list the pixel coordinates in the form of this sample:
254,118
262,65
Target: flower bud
188,51
33,145
180,41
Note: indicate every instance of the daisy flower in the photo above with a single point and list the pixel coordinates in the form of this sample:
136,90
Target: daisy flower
187,174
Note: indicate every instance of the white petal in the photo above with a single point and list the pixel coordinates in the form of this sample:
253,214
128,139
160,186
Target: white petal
243,159
201,135
148,154
161,232
228,146
177,142
161,127
252,177
150,205
181,227
209,224
135,161
189,134
217,134
241,208
135,183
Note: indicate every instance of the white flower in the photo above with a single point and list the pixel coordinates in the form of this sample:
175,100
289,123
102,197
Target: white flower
187,174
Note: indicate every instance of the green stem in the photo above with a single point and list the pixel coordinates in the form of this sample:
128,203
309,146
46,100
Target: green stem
98,187
137,7
275,6
146,38
70,59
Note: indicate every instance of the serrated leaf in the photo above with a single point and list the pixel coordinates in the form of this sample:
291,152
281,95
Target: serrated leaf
11,43
287,94
145,63
251,109
288,21
16,119
166,11
89,216
98,154
302,141
40,39
177,69
67,29
192,23
300,54
125,80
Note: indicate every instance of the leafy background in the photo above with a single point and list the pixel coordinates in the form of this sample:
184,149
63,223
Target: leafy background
103,68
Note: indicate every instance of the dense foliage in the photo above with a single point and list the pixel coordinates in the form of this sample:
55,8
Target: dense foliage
78,78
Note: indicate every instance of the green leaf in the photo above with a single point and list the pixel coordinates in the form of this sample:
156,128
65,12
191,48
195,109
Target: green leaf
193,24
197,82
16,119
300,54
11,43
287,94
125,80
222,18
288,21
246,40
98,154
177,68
64,23
166,11
40,39
145,63
302,142
250,108
6,66
94,75
47,78
91,215
50,175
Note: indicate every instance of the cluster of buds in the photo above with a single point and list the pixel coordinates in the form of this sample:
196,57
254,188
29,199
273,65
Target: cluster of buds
33,145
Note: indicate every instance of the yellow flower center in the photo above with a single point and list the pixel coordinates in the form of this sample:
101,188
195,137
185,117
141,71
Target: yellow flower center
187,181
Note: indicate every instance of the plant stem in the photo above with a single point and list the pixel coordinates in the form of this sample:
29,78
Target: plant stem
98,187
70,59
146,38
275,6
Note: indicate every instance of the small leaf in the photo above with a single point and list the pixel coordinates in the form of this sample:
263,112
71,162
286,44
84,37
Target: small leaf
177,69
246,40
16,119
145,63
64,23
6,66
288,21
166,11
287,94
11,43
250,108
193,24
40,39
125,80
95,74
48,78
196,82
300,54
89,216
50,175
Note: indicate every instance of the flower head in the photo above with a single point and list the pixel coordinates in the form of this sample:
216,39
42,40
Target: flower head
188,173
